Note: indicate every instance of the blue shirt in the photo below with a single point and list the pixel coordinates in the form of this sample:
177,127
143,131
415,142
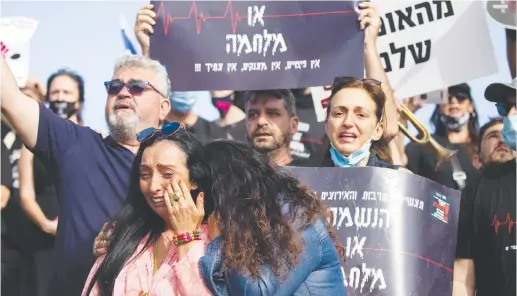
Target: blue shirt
92,179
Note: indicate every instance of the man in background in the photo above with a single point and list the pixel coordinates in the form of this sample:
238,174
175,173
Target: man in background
271,122
486,244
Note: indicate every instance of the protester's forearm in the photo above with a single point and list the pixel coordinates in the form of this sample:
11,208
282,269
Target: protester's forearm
6,194
33,210
374,70
21,111
146,51
462,289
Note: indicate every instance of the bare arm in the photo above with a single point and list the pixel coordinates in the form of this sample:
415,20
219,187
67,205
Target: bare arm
371,22
6,194
20,110
28,193
464,279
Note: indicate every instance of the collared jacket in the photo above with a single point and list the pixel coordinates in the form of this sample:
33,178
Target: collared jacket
318,271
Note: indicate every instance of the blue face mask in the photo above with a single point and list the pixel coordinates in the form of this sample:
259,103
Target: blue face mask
182,101
510,131
353,159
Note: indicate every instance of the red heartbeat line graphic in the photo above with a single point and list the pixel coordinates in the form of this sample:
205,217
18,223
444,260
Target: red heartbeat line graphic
413,255
235,16
509,223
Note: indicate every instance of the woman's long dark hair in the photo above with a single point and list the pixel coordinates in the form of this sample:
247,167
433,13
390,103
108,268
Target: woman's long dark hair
136,219
249,193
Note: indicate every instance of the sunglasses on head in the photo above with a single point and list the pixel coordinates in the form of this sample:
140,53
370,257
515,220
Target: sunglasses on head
152,133
340,82
134,87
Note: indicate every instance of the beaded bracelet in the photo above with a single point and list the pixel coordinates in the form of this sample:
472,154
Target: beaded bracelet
187,237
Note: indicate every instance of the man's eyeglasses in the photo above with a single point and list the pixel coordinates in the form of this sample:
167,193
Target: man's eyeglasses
152,133
134,87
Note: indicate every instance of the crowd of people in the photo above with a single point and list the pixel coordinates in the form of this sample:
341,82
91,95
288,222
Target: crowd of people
172,204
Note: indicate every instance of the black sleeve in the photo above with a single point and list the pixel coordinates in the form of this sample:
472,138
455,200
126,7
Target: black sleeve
7,174
465,236
511,34
414,157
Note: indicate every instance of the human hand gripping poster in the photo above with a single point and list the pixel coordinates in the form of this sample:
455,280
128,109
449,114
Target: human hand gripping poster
243,45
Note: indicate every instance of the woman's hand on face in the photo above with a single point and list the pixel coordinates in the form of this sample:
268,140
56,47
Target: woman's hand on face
184,214
213,227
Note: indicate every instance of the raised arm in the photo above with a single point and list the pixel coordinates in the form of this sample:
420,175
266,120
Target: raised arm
20,110
370,22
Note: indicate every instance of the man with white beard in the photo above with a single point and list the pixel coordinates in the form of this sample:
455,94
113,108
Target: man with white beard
91,173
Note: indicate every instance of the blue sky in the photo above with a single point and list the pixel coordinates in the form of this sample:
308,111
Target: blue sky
85,36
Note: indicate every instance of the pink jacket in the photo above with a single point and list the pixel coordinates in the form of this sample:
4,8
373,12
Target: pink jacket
172,278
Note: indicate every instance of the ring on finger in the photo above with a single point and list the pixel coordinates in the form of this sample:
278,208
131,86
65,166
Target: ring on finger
176,196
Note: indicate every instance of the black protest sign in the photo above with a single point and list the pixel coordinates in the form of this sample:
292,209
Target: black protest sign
244,45
398,229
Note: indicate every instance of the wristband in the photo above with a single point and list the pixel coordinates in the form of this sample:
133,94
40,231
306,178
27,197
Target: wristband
187,237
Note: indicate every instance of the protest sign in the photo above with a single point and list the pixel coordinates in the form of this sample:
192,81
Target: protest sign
398,229
430,45
15,36
503,12
244,45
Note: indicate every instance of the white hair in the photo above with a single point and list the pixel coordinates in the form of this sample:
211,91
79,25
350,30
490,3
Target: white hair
163,83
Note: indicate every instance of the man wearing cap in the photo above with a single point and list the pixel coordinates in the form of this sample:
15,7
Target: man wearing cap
486,243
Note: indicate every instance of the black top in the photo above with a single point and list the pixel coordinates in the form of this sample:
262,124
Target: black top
7,177
486,229
422,161
308,139
46,197
206,131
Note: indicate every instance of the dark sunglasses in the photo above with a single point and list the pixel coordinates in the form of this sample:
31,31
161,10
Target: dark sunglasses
135,87
459,96
152,133
503,108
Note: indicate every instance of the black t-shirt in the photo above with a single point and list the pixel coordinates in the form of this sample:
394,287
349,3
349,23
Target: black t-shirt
206,131
422,161
486,229
7,177
236,131
308,140
14,219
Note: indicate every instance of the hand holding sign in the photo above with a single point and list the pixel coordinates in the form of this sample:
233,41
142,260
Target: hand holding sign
145,20
370,21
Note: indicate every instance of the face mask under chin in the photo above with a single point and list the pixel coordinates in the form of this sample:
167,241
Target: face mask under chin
455,124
